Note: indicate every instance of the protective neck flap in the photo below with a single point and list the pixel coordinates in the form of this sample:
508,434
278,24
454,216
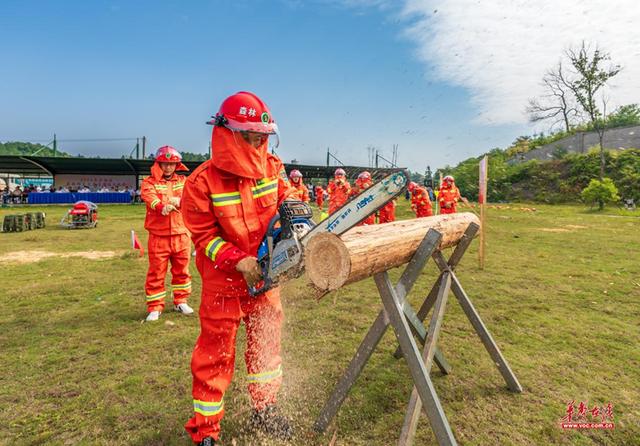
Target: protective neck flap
157,174
233,154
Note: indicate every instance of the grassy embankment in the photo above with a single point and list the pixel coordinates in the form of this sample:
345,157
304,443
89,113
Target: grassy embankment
560,294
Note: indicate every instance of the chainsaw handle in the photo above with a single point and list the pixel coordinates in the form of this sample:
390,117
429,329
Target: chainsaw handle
262,287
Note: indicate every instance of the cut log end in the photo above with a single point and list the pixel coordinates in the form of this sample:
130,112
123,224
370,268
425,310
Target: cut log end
327,261
332,262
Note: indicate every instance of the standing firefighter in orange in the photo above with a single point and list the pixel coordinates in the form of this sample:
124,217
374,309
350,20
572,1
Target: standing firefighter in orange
319,196
228,203
339,190
363,182
302,193
448,196
388,212
168,236
420,202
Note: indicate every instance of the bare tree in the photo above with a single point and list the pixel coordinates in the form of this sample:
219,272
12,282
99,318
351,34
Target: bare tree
557,104
587,86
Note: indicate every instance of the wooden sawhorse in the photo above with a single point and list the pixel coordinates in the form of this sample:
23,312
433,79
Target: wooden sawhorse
400,315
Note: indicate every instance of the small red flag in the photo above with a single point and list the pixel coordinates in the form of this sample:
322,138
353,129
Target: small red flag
135,243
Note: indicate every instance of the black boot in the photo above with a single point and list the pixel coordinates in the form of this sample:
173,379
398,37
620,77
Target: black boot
271,422
208,441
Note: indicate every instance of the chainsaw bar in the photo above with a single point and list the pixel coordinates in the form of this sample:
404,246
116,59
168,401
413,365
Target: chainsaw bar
361,206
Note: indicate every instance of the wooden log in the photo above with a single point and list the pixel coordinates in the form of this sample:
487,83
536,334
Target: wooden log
332,262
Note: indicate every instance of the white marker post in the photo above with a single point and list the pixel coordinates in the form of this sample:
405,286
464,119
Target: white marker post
482,200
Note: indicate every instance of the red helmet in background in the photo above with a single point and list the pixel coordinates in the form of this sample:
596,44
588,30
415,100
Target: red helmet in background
448,178
340,171
245,112
295,173
364,176
412,186
167,154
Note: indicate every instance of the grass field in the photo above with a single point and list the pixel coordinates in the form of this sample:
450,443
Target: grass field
560,294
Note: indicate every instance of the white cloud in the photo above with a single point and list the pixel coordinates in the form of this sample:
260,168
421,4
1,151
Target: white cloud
499,49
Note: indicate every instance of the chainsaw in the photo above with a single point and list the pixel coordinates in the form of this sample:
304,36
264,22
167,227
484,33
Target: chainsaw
289,231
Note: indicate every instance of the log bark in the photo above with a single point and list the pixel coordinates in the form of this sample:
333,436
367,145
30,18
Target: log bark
332,262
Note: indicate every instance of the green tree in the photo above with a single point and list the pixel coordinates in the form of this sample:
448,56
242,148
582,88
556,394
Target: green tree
601,192
590,78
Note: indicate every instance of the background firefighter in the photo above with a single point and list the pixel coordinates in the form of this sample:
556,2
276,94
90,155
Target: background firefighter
448,196
319,196
301,193
387,213
339,190
168,236
229,201
363,182
420,202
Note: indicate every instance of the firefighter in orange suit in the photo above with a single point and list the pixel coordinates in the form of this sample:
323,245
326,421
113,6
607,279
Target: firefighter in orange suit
420,202
228,203
387,212
363,182
319,196
168,236
448,196
339,190
302,193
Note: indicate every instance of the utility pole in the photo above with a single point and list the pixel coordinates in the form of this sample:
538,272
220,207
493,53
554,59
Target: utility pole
55,145
137,148
376,158
328,155
144,146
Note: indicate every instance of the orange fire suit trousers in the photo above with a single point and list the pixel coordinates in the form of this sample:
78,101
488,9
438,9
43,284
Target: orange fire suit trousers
213,358
162,250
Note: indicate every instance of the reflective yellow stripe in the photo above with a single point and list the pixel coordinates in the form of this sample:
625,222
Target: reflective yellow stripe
156,296
226,199
208,408
265,377
265,188
184,286
178,186
154,203
213,247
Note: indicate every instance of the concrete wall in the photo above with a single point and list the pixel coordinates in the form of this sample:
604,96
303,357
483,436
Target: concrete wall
618,138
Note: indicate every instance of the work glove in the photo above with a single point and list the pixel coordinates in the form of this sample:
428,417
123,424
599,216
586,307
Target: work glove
167,209
175,201
250,270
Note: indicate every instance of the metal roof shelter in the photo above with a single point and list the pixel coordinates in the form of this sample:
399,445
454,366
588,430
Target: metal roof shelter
30,165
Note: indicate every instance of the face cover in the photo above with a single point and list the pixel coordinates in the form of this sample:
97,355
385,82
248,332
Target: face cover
231,153
158,174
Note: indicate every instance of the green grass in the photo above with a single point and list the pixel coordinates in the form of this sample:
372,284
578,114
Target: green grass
560,294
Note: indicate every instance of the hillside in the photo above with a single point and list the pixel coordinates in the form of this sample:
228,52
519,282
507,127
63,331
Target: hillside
27,148
555,181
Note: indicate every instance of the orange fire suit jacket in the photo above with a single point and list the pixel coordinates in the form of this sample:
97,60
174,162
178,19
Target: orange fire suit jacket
228,217
420,202
157,194
301,193
450,196
338,194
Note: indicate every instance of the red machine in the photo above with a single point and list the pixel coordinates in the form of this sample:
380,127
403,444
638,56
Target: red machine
84,214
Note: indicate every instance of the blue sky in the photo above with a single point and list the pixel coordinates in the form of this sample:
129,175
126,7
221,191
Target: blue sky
339,74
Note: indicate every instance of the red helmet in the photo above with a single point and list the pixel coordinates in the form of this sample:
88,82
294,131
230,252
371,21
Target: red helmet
411,187
295,173
448,178
364,176
167,154
245,112
340,171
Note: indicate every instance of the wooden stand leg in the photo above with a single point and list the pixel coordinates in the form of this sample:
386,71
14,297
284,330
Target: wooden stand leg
419,373
413,411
